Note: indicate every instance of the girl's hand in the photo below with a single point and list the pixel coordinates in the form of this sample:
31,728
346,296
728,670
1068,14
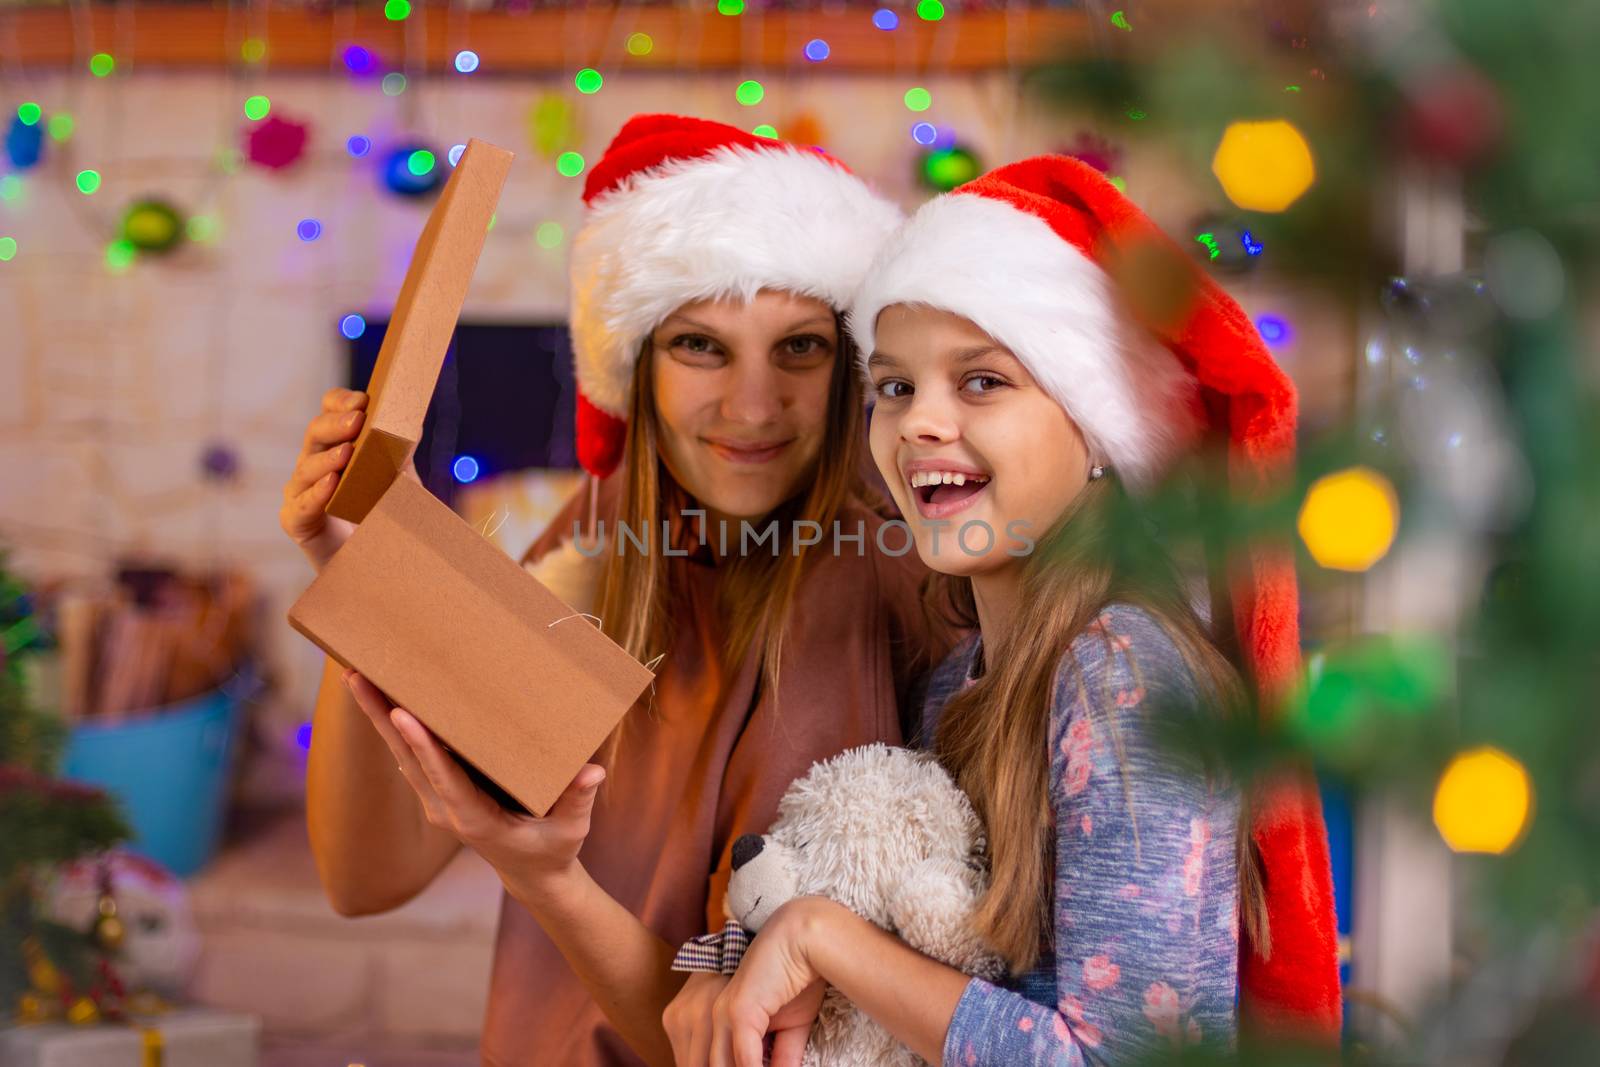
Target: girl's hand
775,990
687,1019
529,853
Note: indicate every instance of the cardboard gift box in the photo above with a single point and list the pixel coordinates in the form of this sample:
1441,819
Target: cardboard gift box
519,686
188,1038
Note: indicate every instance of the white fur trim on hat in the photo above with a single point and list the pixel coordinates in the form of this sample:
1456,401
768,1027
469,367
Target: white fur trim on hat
727,224
1035,293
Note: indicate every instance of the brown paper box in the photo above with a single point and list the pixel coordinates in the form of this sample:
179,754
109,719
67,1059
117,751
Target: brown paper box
484,655
418,337
518,685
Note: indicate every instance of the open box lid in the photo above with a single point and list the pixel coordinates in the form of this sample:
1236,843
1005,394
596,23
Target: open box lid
512,679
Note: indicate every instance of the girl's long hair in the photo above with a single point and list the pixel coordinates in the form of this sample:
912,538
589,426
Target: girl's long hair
756,592
994,736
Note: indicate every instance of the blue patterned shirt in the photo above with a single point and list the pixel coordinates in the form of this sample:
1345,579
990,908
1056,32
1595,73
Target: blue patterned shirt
1144,951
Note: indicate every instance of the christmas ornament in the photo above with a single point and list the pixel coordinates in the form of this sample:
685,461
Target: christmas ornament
159,940
413,171
108,931
219,463
1453,116
1096,151
551,127
24,142
152,226
1225,243
276,142
945,168
84,1012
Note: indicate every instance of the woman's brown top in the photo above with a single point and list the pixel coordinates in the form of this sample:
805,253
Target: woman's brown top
708,760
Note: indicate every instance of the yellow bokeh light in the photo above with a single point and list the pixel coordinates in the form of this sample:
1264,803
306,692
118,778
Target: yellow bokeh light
1263,166
1349,518
1482,802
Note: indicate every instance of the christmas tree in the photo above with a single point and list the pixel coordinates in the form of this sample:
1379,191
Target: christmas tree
46,969
1476,436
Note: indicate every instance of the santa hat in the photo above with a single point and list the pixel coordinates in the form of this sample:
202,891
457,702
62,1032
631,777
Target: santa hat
1039,255
682,209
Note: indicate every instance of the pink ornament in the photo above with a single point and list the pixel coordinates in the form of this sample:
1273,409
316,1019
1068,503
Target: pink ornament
275,143
1096,151
1455,116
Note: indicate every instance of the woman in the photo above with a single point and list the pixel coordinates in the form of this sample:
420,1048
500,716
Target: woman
717,395
1018,396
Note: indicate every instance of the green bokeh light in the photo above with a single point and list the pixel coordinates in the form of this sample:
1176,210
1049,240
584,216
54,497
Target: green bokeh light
930,10
61,126
766,130
102,64
420,162
640,44
29,113
201,228
588,80
8,248
397,10
749,93
256,108
549,235
919,99
569,164
947,168
120,255
10,187
88,181
730,7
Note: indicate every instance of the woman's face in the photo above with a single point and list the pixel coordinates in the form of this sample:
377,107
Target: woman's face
741,392
953,405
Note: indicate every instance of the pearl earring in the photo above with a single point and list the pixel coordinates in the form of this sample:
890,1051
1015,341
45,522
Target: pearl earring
1096,472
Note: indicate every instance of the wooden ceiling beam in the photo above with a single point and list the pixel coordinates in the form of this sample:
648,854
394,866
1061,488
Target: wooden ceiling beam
145,35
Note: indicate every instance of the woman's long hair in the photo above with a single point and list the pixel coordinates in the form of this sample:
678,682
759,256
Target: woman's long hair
994,736
756,592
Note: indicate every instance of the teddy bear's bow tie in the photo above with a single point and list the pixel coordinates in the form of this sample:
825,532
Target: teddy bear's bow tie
717,953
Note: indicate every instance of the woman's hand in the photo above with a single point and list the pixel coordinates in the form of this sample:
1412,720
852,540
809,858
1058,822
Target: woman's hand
530,854
775,990
324,452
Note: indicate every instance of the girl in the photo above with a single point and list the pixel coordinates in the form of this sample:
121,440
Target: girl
716,388
1020,389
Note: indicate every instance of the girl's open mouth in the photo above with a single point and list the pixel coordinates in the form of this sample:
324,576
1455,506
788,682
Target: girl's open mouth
940,494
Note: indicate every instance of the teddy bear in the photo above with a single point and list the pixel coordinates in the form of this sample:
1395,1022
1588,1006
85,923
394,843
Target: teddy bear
887,833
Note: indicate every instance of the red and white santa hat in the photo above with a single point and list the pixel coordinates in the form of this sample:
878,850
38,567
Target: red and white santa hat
1145,352
682,209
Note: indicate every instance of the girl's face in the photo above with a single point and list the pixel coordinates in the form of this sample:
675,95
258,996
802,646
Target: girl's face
741,396
980,460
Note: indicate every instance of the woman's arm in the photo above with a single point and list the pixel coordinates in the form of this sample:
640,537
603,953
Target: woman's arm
620,961
374,850
373,845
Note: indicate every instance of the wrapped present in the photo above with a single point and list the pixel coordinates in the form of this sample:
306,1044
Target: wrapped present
187,1038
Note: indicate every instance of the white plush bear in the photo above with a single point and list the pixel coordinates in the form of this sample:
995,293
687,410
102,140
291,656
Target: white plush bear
885,832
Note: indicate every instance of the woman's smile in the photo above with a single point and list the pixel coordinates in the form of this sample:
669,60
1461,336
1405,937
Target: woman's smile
747,452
